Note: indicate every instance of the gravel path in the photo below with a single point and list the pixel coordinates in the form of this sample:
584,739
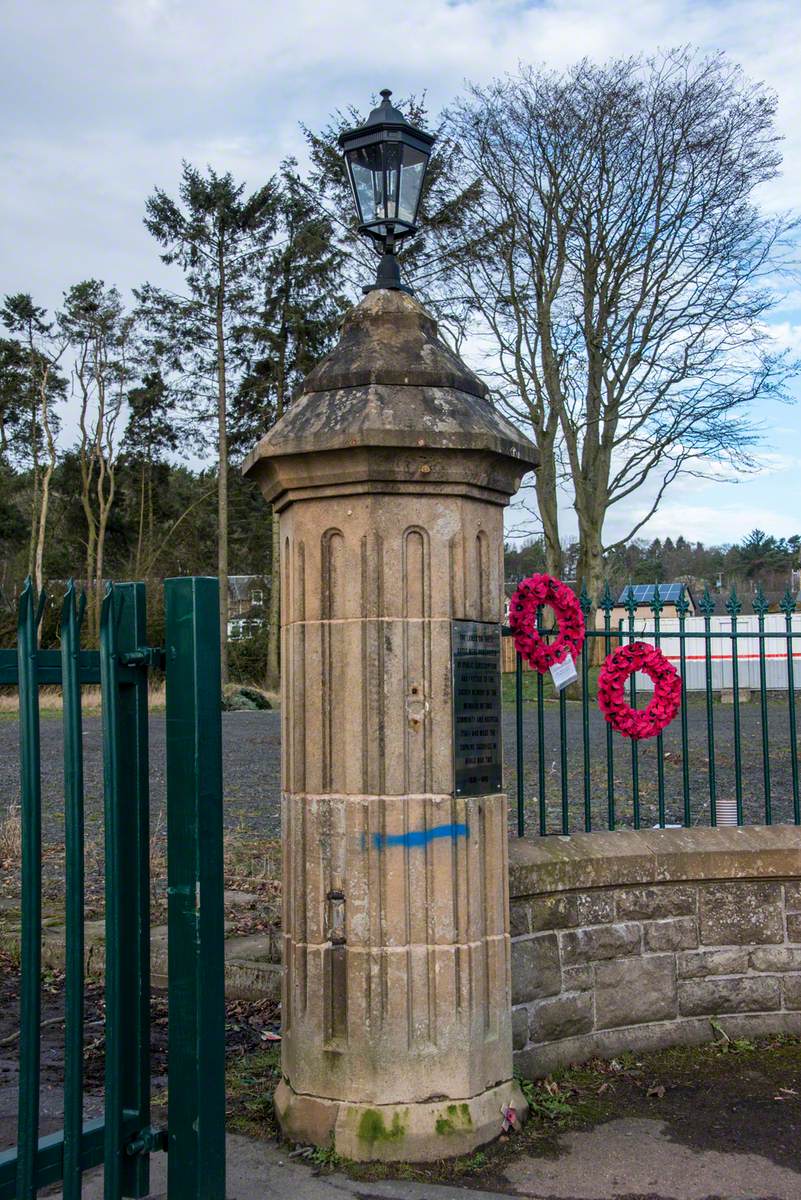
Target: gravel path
251,758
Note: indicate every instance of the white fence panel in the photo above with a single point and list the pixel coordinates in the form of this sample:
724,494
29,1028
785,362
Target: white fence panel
721,648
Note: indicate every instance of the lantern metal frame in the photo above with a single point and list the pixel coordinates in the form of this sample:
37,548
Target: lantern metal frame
389,136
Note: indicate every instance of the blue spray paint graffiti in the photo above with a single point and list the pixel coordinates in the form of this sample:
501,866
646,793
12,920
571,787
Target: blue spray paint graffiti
420,837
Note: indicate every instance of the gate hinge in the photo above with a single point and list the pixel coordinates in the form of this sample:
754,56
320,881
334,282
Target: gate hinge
146,656
148,1141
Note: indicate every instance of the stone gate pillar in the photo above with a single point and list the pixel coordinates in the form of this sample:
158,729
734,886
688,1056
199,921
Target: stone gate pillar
390,473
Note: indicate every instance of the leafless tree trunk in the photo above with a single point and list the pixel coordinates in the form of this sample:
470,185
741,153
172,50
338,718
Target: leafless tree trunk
100,334
50,466
222,482
87,464
274,617
140,532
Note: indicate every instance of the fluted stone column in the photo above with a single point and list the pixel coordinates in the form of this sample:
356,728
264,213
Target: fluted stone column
390,473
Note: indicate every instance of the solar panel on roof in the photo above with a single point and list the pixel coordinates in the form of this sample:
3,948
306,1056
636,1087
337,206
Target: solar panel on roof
643,593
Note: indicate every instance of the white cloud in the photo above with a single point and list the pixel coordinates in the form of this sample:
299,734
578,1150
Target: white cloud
786,335
101,100
718,524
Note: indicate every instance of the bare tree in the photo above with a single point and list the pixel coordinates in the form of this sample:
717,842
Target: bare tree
100,336
621,267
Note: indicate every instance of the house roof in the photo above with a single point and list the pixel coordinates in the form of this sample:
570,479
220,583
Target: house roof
240,586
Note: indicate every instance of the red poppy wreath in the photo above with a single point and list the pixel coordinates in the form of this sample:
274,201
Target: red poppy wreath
530,595
633,722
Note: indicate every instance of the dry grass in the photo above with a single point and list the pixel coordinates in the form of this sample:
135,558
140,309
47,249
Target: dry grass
50,699
253,865
250,864
11,838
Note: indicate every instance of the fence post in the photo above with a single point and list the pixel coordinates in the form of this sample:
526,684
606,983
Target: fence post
31,935
196,1159
72,611
127,822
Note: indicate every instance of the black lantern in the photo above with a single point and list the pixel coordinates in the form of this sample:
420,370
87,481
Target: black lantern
386,160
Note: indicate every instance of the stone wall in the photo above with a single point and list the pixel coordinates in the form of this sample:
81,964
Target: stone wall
637,940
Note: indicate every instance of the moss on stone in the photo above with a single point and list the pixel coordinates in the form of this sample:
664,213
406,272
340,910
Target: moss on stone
458,1119
372,1127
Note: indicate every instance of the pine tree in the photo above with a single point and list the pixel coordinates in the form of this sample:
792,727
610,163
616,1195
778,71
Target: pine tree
302,307
217,237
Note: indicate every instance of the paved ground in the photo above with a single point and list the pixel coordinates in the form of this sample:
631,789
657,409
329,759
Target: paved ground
251,757
752,765
622,1160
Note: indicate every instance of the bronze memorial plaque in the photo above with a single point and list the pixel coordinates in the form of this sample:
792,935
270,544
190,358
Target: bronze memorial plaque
476,655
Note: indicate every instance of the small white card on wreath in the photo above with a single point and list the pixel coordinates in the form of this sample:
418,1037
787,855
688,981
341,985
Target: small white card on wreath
563,673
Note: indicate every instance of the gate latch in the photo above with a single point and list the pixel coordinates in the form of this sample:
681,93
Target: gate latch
144,656
148,1141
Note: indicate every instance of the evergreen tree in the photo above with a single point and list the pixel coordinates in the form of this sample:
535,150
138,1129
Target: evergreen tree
302,307
32,385
13,395
217,237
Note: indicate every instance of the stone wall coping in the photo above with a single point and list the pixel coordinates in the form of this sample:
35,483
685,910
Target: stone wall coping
545,865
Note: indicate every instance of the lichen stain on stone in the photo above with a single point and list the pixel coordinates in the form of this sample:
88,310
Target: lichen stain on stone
373,1129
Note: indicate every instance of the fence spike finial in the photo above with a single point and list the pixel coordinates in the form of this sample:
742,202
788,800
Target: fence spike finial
607,601
584,599
25,600
734,604
706,603
107,611
683,604
761,603
787,603
68,602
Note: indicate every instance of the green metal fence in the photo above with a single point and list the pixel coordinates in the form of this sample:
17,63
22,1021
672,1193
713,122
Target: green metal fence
123,1139
573,772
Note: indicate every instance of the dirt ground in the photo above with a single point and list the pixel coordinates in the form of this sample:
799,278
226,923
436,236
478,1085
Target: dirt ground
248,1026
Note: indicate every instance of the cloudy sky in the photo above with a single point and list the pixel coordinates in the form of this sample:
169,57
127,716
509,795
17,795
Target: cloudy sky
101,99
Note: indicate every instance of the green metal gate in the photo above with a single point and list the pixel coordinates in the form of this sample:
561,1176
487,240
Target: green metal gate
124,1138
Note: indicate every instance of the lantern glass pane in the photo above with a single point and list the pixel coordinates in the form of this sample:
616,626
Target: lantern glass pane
366,169
411,183
392,165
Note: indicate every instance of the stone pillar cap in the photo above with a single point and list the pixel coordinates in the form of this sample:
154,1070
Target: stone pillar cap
391,381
